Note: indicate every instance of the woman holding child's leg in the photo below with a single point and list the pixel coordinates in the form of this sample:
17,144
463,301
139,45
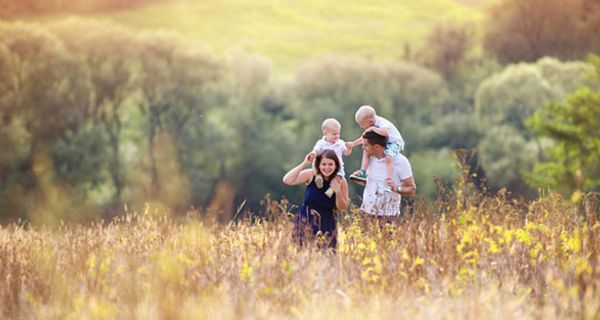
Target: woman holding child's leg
321,200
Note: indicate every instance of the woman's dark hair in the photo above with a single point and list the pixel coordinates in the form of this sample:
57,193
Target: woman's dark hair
328,154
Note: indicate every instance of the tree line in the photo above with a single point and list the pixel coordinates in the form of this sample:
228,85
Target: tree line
95,116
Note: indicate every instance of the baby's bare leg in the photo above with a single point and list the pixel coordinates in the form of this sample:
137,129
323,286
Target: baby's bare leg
364,165
389,166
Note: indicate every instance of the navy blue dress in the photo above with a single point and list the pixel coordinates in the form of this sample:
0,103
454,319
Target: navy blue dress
317,213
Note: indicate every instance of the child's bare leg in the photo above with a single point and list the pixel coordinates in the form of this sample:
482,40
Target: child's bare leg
389,170
389,166
364,164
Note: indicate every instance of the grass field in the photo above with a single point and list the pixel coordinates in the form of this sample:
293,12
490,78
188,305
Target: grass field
290,32
482,258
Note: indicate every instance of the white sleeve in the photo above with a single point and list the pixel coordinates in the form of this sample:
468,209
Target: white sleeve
393,132
342,145
318,146
404,168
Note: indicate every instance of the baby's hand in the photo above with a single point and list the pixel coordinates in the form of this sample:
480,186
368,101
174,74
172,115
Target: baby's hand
349,145
369,129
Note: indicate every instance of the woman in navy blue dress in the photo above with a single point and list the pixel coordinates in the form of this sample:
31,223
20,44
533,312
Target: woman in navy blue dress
326,193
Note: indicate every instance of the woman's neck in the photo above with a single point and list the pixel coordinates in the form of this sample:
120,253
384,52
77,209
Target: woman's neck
324,177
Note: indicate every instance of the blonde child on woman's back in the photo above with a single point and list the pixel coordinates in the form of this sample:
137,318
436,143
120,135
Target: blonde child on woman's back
331,141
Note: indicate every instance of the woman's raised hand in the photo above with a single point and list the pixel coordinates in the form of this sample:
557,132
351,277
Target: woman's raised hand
310,157
297,176
336,183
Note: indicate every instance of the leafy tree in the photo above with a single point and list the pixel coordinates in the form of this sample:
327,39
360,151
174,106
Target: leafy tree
591,23
107,56
256,153
80,158
506,155
446,49
526,30
249,147
574,127
35,82
504,101
416,95
429,164
175,80
14,143
455,124
455,130
36,105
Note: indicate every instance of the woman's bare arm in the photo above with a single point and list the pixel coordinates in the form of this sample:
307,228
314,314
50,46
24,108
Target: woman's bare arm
297,175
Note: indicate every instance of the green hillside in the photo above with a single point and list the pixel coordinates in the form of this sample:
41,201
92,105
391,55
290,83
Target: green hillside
289,32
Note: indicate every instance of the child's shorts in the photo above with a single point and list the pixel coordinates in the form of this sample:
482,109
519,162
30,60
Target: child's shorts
393,149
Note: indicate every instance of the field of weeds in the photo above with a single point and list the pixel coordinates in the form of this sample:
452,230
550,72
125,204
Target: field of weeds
462,257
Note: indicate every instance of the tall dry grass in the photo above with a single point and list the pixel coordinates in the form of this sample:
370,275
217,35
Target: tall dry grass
466,256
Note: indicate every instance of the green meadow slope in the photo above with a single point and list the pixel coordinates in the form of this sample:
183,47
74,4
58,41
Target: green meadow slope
290,32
